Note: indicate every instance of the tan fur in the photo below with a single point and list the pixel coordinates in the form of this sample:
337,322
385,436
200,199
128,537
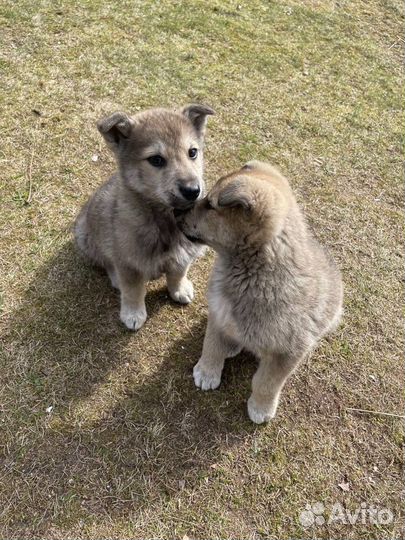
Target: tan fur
128,226
273,289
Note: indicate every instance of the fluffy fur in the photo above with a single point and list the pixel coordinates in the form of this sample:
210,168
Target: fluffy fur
127,226
273,289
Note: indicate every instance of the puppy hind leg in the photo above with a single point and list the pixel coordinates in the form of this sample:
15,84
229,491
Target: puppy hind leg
217,347
85,241
81,233
267,383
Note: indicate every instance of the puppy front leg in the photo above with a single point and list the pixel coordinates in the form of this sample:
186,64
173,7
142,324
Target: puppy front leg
132,286
208,370
267,383
180,287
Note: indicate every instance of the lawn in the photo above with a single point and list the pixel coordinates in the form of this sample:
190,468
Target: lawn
102,432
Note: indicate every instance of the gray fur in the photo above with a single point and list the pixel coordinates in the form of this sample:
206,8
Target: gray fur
128,226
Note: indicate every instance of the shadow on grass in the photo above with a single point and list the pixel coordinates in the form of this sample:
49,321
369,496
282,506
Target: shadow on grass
155,438
68,327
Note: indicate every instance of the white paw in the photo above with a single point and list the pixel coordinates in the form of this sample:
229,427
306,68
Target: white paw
206,379
185,292
133,318
259,414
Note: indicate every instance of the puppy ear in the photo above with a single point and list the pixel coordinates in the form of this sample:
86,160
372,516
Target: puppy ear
115,128
234,195
197,114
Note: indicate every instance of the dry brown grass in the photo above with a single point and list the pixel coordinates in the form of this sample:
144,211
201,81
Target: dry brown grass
131,448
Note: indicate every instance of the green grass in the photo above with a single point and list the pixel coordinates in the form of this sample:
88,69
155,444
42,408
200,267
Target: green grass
131,448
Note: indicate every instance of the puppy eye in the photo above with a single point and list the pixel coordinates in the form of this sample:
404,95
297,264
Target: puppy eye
193,152
157,161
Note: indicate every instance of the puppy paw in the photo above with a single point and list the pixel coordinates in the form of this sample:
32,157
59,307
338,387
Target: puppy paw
133,318
206,379
260,414
184,293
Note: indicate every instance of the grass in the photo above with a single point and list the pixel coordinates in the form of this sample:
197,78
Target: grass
130,448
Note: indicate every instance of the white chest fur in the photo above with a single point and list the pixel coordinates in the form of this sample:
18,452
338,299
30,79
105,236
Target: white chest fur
221,311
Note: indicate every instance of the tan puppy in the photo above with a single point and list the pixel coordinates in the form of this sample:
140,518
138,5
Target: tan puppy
273,289
128,226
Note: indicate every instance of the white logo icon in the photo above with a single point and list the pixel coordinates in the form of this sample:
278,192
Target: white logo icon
315,515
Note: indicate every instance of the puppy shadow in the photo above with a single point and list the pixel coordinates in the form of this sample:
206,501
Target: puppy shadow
67,331
157,436
168,432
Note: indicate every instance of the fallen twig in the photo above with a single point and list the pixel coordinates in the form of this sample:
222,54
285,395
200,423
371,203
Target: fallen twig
377,413
28,200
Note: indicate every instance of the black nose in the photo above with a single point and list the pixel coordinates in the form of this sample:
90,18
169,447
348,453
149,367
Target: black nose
190,193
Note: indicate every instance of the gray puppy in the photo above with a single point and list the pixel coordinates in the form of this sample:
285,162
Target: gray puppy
273,289
128,226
